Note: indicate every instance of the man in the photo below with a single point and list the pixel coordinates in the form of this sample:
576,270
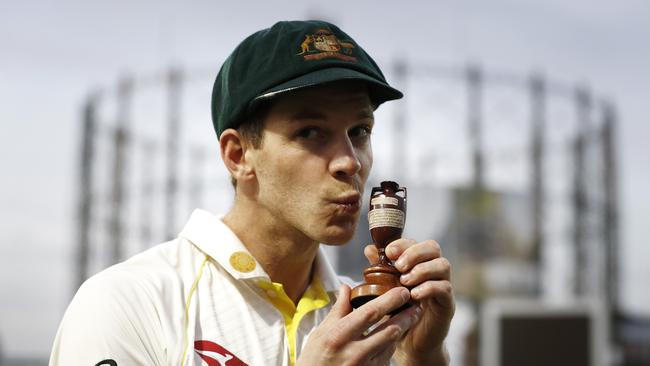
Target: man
294,121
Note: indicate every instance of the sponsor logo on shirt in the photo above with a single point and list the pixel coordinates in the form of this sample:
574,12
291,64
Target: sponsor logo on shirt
106,362
216,355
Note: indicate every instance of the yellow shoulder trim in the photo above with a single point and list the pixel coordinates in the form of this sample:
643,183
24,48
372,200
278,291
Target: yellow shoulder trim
186,319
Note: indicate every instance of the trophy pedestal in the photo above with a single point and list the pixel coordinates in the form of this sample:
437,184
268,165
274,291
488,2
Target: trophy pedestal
377,280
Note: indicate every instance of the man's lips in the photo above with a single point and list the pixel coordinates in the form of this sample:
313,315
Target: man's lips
349,203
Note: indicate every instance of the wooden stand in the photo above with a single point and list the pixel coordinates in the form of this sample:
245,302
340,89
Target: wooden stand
377,280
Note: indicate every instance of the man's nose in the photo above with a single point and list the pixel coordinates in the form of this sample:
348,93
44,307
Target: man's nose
345,162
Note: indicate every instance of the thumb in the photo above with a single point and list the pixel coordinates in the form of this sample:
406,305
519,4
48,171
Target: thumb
370,251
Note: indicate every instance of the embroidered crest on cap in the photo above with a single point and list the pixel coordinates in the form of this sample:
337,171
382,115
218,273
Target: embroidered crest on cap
324,44
242,262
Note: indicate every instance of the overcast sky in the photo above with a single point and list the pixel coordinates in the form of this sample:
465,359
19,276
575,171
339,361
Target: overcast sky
54,52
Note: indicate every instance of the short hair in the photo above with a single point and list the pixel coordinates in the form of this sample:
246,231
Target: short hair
251,128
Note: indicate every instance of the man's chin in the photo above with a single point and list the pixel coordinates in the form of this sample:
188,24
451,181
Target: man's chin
336,242
336,229
338,235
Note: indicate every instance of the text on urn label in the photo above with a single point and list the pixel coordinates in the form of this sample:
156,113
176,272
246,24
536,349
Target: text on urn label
382,200
382,217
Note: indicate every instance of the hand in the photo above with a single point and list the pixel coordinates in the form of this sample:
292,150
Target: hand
428,274
340,339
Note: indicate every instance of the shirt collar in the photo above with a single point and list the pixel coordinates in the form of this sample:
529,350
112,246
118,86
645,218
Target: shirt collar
209,233
324,271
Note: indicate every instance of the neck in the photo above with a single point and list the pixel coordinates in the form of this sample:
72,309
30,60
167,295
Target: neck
286,255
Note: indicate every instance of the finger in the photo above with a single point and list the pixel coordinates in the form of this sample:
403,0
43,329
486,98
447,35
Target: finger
436,269
417,253
393,329
441,291
342,305
395,248
380,344
370,251
362,318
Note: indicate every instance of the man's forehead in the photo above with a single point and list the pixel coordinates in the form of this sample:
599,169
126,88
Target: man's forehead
313,113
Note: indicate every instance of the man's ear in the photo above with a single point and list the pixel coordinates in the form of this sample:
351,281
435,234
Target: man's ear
233,153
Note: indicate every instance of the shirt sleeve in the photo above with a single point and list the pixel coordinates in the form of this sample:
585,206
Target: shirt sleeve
112,321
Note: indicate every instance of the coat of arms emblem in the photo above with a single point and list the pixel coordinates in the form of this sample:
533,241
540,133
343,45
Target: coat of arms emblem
324,44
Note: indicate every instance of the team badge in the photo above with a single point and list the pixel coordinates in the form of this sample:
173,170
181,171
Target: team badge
242,262
324,44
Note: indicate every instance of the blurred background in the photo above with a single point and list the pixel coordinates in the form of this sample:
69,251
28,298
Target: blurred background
522,139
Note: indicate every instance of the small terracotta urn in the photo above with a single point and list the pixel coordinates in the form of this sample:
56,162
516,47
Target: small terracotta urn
386,217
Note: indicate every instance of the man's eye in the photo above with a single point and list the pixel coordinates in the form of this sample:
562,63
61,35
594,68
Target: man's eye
308,133
360,131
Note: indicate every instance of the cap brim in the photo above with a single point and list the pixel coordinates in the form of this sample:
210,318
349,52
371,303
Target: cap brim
380,92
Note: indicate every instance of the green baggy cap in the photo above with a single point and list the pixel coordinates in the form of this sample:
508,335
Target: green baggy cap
288,56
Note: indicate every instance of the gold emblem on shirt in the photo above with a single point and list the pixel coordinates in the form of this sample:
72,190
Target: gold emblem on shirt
242,262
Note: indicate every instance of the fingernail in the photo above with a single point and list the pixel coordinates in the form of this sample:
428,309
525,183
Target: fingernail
400,264
390,250
415,292
405,278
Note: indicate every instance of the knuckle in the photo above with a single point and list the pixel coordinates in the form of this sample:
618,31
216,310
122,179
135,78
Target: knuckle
446,287
445,264
370,313
434,245
418,270
332,344
334,340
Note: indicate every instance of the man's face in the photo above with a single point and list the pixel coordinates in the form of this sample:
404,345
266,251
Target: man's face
314,160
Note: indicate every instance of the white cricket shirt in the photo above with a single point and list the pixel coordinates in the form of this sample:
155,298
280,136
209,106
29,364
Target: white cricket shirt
201,299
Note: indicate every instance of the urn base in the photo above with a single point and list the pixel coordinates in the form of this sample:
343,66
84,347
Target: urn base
377,280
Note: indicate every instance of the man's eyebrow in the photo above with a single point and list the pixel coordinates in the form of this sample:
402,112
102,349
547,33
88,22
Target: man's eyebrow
366,114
